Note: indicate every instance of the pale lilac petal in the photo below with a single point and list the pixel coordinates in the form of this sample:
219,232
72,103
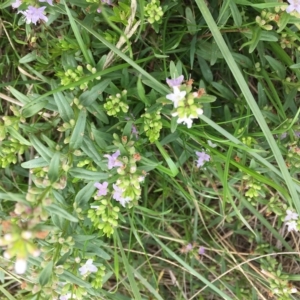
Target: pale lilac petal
50,2
201,250
175,82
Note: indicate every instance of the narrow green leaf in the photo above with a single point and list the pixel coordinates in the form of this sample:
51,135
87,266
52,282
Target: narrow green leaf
28,58
46,274
141,92
174,170
69,277
88,97
16,135
236,15
60,212
85,194
190,21
64,108
128,269
54,167
276,66
35,163
88,175
45,152
32,108
78,36
78,131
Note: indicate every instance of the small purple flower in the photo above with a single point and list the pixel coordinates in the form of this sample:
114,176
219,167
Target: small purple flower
34,14
294,5
102,188
112,160
290,215
202,158
135,132
117,192
16,4
189,247
117,195
175,81
201,250
50,2
283,135
297,134
88,267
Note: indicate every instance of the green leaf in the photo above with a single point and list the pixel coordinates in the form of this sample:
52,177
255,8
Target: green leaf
54,167
60,212
174,170
32,108
85,194
236,15
46,274
256,34
45,152
206,99
88,97
28,57
35,163
128,269
16,135
69,277
141,92
190,21
90,150
87,175
78,131
64,108
283,21
205,69
276,66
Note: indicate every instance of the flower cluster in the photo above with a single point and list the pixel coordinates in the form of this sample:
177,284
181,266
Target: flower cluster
153,11
190,248
291,220
125,190
33,14
185,107
116,103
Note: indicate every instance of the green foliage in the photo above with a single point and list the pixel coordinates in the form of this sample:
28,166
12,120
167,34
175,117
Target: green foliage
104,192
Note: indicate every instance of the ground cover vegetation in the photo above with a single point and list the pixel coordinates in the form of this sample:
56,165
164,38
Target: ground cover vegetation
149,149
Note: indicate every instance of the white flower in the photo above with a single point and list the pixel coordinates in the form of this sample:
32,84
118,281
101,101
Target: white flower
211,144
88,267
187,120
123,201
294,5
290,215
292,225
20,266
176,96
